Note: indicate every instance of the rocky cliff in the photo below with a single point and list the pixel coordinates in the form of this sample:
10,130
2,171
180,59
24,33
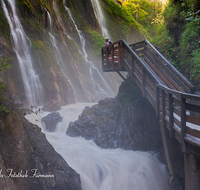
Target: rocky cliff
27,159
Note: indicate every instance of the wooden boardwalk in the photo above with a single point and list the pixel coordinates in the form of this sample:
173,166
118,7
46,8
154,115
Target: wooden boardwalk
169,92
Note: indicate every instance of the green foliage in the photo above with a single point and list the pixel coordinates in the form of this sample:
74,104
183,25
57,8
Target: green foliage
178,38
4,109
43,54
3,65
195,71
190,47
124,20
149,12
133,6
163,41
32,8
120,12
4,28
97,41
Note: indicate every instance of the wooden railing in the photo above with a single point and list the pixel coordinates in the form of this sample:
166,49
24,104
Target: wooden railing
111,57
161,84
176,112
163,68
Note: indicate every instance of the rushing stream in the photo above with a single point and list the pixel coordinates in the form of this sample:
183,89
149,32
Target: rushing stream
103,169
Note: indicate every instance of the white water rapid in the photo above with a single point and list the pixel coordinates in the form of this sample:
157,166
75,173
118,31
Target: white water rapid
21,46
103,169
102,88
100,18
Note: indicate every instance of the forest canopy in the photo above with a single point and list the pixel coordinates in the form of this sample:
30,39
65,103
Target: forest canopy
174,28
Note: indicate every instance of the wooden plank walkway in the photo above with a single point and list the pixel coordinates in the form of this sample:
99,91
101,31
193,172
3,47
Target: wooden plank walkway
168,91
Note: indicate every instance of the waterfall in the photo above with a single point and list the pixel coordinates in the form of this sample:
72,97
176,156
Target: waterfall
100,18
103,169
21,46
94,72
58,56
50,25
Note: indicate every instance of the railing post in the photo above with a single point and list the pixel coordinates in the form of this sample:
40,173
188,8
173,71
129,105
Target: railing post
132,68
164,138
102,58
121,55
183,123
163,108
112,56
107,58
143,82
171,116
157,102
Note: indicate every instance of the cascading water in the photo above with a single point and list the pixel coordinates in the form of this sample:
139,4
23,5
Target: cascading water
58,56
94,72
50,25
100,18
21,46
103,169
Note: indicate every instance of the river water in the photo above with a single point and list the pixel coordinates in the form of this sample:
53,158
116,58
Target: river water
103,169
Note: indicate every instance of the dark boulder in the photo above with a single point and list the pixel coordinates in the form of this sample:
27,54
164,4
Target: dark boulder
127,122
51,121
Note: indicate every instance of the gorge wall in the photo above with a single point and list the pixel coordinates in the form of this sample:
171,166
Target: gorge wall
26,155
65,74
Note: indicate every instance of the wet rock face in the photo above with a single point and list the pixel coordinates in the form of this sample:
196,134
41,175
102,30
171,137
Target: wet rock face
115,123
52,105
17,102
51,121
25,150
57,90
2,49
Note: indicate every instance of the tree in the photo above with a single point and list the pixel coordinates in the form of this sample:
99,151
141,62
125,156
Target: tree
133,6
146,12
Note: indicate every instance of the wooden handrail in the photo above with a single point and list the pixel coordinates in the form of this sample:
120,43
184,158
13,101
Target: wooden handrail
140,61
179,78
185,105
170,65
